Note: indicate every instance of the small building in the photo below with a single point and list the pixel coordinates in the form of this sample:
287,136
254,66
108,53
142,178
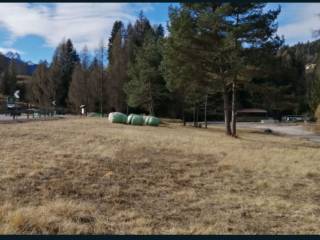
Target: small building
251,114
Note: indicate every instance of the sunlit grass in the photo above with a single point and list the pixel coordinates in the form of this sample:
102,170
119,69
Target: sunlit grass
89,176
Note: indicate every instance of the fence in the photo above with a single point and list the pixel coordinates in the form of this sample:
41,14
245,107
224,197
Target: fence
29,111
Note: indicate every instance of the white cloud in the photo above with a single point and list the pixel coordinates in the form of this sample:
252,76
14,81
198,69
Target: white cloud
302,20
88,23
84,23
5,50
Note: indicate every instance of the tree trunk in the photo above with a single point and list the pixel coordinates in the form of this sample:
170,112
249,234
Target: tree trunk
151,99
205,112
233,104
194,115
101,86
197,116
234,110
151,111
183,116
226,112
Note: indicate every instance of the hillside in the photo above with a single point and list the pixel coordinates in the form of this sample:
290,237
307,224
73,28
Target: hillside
307,52
24,68
117,179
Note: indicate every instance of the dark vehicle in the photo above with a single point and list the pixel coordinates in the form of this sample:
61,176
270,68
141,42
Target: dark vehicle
294,118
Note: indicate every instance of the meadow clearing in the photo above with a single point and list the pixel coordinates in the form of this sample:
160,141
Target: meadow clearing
88,176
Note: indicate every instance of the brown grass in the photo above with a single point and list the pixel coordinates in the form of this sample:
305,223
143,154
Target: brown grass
87,176
314,127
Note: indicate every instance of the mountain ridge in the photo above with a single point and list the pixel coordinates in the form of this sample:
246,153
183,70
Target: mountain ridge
23,67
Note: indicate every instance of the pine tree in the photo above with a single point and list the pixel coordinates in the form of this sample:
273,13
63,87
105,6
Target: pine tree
64,60
78,91
183,69
220,30
117,29
314,100
159,31
248,25
41,89
94,85
141,27
135,35
5,82
117,71
102,81
146,88
8,81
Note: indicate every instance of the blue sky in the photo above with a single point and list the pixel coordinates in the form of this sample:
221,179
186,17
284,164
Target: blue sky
34,30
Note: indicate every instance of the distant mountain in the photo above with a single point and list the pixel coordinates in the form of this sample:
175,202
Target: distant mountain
31,67
24,68
13,55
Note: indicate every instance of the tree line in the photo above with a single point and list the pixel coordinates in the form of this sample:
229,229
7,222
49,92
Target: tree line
215,59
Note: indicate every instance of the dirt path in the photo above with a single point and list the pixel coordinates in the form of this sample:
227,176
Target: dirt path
6,119
303,131
300,131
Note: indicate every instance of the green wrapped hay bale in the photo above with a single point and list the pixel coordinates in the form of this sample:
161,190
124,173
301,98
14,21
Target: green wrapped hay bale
94,114
152,121
145,119
110,116
117,117
130,118
137,120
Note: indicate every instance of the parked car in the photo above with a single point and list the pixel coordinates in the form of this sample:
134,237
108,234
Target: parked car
294,118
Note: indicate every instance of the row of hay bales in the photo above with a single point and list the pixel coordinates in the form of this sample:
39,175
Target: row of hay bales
133,119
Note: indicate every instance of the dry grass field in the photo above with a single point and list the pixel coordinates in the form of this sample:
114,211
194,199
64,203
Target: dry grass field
316,128
87,176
